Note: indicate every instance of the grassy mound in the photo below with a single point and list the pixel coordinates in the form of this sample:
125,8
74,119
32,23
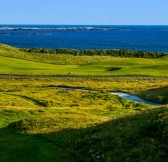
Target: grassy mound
156,94
8,48
49,58
137,137
141,137
42,123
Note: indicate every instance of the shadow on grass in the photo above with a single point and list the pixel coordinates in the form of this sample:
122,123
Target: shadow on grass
114,68
36,102
140,137
159,95
16,147
69,87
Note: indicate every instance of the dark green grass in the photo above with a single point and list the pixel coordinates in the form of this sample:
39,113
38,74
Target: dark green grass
141,137
15,147
156,94
137,137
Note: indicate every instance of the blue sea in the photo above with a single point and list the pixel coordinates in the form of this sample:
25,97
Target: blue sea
145,38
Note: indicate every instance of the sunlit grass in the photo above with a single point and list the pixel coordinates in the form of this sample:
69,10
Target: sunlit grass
40,122
14,61
61,124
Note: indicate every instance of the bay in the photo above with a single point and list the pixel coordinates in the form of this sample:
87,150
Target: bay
144,38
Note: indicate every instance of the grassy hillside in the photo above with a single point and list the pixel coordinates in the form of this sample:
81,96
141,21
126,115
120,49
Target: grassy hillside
33,113
18,66
78,135
58,59
15,61
140,137
42,90
41,123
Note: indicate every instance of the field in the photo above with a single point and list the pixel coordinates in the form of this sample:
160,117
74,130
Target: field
14,61
40,122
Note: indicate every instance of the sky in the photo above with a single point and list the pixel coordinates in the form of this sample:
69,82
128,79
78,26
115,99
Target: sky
96,12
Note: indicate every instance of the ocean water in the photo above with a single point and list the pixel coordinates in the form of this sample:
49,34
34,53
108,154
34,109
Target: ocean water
145,38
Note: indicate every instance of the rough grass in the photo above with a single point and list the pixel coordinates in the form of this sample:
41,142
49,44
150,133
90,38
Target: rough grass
40,123
43,92
140,137
64,125
58,59
69,135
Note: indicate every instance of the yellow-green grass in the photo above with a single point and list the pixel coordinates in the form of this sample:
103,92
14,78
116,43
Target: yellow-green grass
72,134
40,93
17,66
151,89
129,66
58,59
41,123
14,61
35,95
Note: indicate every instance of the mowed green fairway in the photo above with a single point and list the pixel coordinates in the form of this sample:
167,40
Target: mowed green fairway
19,66
128,66
115,66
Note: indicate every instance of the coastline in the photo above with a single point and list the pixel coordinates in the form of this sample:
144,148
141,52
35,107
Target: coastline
81,37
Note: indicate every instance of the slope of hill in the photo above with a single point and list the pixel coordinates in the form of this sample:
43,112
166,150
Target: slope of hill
137,137
18,62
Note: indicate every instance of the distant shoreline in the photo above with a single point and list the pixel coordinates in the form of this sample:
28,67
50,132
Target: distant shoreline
87,24
151,38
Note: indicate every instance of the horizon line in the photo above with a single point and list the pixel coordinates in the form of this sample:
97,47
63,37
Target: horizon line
94,24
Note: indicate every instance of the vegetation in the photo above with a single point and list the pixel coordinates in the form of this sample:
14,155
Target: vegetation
40,122
91,52
63,125
55,136
13,61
